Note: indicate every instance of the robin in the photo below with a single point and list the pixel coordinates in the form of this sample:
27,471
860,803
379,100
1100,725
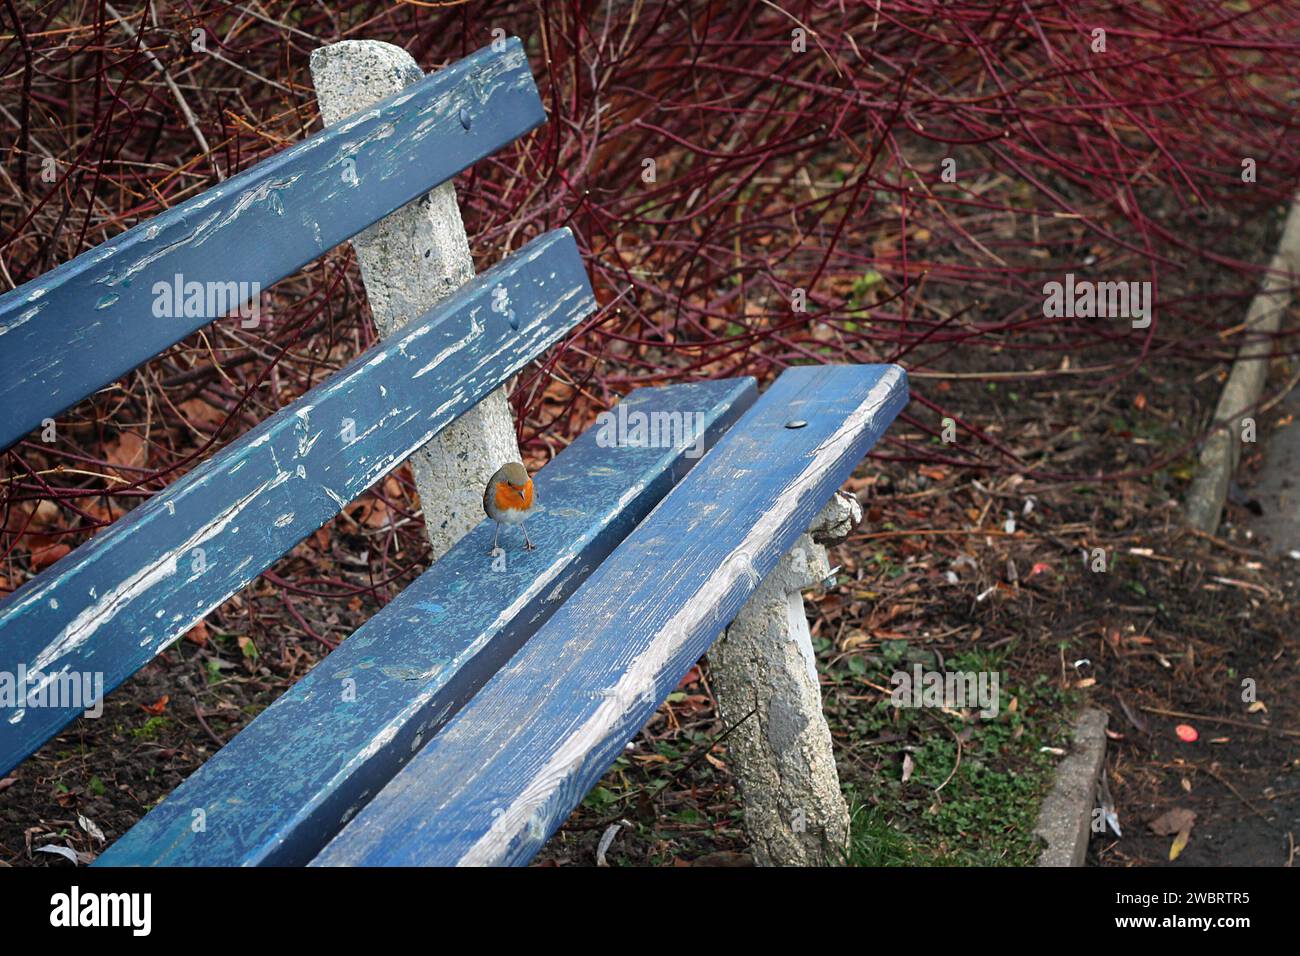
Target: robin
508,499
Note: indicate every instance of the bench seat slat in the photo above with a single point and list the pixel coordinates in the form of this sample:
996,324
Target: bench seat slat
284,785
507,770
122,597
90,321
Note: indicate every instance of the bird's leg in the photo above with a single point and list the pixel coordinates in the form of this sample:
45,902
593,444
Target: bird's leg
495,534
528,545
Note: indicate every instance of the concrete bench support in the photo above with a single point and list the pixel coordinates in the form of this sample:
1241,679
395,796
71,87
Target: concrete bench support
410,260
765,678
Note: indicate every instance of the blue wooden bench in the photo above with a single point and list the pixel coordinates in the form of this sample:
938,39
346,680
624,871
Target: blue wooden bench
464,721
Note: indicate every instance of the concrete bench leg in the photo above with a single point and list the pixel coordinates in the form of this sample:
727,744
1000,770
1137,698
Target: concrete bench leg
409,261
765,678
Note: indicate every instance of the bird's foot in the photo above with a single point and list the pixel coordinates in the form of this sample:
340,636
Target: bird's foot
529,546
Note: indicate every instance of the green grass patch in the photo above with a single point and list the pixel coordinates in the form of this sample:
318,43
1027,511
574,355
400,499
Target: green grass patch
974,784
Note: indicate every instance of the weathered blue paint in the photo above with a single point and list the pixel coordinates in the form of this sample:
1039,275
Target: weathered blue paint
90,321
285,784
120,598
506,771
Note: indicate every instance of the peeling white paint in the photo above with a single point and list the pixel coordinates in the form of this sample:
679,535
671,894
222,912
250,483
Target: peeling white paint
490,847
21,320
90,620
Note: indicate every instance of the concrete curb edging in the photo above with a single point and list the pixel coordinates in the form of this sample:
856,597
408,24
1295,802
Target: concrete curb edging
1241,392
1065,818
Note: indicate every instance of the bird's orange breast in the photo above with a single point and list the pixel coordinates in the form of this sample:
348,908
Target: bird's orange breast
514,499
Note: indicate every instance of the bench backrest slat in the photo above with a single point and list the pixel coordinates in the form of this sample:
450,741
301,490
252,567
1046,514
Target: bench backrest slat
90,321
309,761
506,771
123,596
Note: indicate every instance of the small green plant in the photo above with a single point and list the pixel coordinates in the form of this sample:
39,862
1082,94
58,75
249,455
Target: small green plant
151,728
864,283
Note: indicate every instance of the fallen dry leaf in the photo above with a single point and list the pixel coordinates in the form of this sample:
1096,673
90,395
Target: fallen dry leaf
199,412
198,634
45,515
128,451
1173,821
46,556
